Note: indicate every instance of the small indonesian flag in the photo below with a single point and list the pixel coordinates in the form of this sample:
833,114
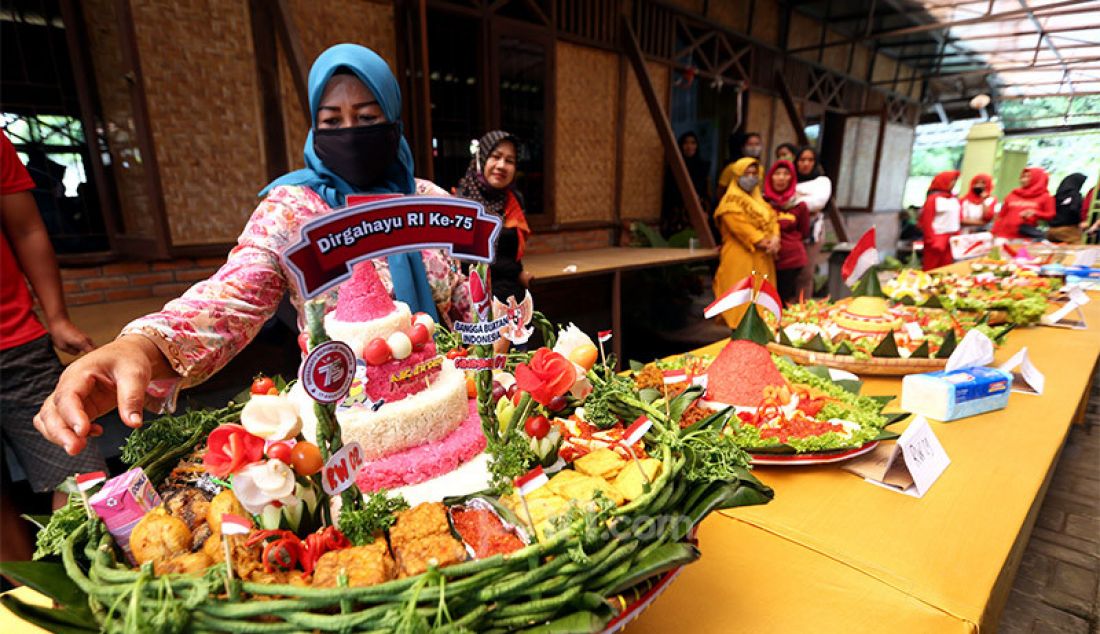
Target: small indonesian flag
604,335
85,481
862,257
233,524
635,432
741,293
768,297
699,379
531,481
674,376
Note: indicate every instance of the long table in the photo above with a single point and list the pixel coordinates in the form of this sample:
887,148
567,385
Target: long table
832,553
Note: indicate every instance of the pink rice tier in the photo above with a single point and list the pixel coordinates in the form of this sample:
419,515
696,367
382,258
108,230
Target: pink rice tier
426,461
379,383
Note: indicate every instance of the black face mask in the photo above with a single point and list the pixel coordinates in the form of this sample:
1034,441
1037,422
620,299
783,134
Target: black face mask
359,155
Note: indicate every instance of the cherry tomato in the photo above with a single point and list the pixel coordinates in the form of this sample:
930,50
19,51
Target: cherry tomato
303,342
537,427
557,403
419,335
280,451
454,353
377,351
262,385
305,457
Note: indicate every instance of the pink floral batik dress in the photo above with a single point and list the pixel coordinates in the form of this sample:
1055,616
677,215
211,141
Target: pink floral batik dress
215,319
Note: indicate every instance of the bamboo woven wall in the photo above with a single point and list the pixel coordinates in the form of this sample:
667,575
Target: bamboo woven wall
782,130
584,136
732,15
110,69
321,25
643,154
203,98
759,117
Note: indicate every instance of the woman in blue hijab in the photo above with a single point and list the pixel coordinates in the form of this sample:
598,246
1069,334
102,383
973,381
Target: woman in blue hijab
356,146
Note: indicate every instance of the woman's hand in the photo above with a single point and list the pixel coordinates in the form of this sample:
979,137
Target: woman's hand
115,375
525,278
68,338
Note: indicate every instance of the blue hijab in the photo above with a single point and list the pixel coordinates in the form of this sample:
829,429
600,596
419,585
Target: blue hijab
410,280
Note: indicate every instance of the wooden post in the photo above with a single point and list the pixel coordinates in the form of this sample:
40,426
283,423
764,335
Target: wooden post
675,159
292,46
800,130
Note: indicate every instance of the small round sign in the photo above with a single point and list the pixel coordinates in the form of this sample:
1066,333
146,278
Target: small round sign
327,372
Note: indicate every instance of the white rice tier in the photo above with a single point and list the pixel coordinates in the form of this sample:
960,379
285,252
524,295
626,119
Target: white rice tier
357,334
471,477
427,416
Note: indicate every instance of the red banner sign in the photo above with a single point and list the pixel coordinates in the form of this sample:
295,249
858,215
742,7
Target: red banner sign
333,243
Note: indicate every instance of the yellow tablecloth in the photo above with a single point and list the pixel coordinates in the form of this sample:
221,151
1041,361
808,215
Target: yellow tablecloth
833,553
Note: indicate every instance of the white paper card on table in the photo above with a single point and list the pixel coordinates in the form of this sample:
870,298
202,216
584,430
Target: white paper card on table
1058,318
1028,380
911,467
1086,257
975,350
1077,294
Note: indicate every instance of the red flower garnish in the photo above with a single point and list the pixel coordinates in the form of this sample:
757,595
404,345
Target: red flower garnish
546,376
230,447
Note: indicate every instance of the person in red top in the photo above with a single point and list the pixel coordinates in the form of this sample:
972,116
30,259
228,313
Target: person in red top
978,204
1086,207
794,228
29,367
940,218
1026,205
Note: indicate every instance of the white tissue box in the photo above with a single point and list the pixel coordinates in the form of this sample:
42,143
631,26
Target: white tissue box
957,394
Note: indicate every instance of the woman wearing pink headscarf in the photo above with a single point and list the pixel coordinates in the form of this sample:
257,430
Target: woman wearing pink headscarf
794,228
1026,205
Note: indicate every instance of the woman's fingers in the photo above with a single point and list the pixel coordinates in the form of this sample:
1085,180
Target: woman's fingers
131,380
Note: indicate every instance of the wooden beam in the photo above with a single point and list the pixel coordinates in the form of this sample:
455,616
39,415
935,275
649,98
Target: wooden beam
668,139
266,54
296,59
424,92
800,131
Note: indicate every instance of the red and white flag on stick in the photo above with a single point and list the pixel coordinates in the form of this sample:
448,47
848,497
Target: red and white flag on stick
531,481
768,297
862,257
233,524
604,335
638,429
674,376
741,293
85,481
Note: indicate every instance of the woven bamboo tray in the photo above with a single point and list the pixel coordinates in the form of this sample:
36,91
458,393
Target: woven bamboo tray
874,366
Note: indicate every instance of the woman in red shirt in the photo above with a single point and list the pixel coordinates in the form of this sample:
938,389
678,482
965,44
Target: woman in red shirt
794,227
978,203
939,220
1026,205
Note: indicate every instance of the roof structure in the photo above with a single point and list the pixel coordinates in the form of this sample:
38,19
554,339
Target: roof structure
1007,49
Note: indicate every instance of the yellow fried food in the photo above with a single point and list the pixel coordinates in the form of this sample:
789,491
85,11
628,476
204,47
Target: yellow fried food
159,537
630,482
558,483
364,566
428,518
439,550
584,489
224,502
601,463
189,564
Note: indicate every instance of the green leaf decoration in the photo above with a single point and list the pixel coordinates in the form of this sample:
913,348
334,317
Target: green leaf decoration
844,348
949,344
752,328
999,336
887,348
58,621
849,385
819,371
932,302
636,366
883,401
906,300
886,434
784,339
868,285
48,578
649,394
817,344
921,352
652,238
896,417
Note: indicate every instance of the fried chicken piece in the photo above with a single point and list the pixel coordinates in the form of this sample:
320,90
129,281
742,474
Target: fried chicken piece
417,556
429,518
189,564
159,536
224,502
364,566
242,554
199,536
188,504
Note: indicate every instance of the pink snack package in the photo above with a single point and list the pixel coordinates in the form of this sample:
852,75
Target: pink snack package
121,504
